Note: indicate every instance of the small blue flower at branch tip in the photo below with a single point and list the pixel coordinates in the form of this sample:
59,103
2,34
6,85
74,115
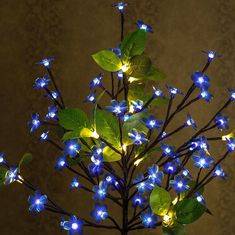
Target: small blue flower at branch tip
125,117
11,175
151,122
53,95
109,179
211,55
137,105
221,122
34,123
121,6
73,226
167,150
2,160
119,74
200,199
158,93
219,172
232,94
52,113
61,162
100,191
117,108
149,220
75,183
41,82
96,168
230,144
180,184
91,98
154,175
45,62
96,151
199,144
44,136
173,91
99,213
141,25
201,80
142,184
71,147
138,137
186,173
202,161
96,82
138,200
205,95
191,122
37,202
170,168
116,51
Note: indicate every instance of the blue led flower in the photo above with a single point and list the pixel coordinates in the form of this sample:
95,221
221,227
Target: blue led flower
138,200
117,108
230,144
52,113
100,191
219,172
201,80
99,213
71,147
158,93
137,105
199,144
41,82
96,167
206,95
75,183
200,199
45,62
44,136
170,168
149,220
211,55
138,137
125,117
180,184
141,25
191,122
173,91
202,161
73,226
53,95
117,51
108,179
141,184
221,122
121,6
2,160
61,162
91,98
96,82
154,175
119,74
186,173
34,123
11,175
151,122
232,94
167,150
37,202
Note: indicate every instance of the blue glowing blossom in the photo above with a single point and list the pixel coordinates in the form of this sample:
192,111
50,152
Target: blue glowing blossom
138,137
142,184
117,51
117,108
219,172
167,150
71,147
53,95
232,94
191,122
221,122
91,98
108,179
119,74
75,183
211,55
230,144
99,213
206,95
174,91
73,226
141,25
45,62
154,175
170,168
158,93
180,184
186,173
138,200
41,82
34,123
11,175
96,82
2,160
149,220
137,105
121,6
52,113
44,136
202,161
199,144
61,162
100,191
125,117
200,199
37,202
201,80
151,122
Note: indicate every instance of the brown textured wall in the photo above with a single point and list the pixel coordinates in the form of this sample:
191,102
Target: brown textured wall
70,31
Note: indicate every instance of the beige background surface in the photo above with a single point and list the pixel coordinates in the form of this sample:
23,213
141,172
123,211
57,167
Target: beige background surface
70,31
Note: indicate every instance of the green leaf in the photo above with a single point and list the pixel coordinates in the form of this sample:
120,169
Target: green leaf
71,135
139,66
178,229
110,156
188,210
133,44
134,121
75,161
3,172
107,127
107,60
27,157
160,201
73,119
192,184
154,74
86,132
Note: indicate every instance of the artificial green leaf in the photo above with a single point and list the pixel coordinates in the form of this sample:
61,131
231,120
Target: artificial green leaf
110,156
86,132
192,184
133,44
73,119
108,60
3,172
160,201
134,121
188,210
139,66
27,157
69,135
75,161
178,229
107,127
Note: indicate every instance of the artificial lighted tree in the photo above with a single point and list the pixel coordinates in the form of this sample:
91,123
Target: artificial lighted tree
105,148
